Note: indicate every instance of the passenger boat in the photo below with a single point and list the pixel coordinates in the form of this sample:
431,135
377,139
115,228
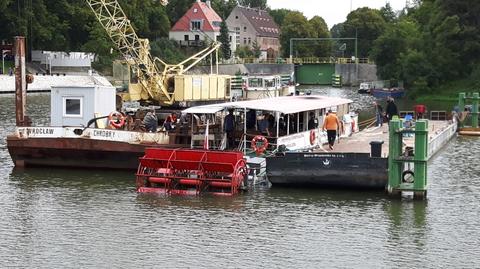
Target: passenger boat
253,87
364,87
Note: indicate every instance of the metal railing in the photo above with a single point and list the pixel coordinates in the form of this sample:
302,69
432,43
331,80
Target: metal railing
300,60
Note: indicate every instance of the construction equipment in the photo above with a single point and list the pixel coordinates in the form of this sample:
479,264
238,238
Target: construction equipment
154,84
191,172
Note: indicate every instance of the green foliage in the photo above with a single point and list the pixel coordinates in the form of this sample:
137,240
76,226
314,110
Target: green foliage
224,38
279,15
244,52
320,28
167,50
388,14
262,4
224,7
256,49
367,25
296,25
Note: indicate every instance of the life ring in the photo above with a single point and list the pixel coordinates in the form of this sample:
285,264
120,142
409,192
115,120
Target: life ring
312,137
259,149
116,119
408,176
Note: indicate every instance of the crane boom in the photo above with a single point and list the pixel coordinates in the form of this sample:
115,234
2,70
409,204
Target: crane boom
134,49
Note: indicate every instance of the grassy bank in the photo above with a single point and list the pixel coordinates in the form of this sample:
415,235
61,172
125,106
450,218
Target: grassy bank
448,92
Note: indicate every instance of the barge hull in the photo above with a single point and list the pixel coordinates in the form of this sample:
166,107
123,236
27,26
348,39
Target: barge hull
333,170
69,152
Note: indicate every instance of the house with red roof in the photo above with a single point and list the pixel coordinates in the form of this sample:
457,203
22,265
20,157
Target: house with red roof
200,24
254,25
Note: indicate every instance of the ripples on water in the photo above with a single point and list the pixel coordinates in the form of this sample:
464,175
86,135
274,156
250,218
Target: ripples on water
56,218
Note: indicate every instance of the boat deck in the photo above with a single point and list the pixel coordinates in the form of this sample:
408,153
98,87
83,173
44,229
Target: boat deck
360,142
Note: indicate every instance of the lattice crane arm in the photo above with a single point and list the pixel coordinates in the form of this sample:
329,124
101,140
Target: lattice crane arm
135,50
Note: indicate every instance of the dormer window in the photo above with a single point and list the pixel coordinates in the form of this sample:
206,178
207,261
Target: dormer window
195,25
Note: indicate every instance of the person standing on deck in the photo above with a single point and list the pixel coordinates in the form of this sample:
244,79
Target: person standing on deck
378,114
229,128
151,121
391,109
312,122
331,124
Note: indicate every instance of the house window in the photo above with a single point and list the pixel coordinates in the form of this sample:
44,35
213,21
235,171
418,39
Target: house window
244,40
244,28
249,41
230,38
195,10
197,38
185,37
72,106
195,25
236,17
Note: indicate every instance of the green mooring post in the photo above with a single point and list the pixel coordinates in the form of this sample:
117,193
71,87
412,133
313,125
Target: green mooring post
401,178
475,98
461,104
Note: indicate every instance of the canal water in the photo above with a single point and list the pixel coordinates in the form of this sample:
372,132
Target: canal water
57,218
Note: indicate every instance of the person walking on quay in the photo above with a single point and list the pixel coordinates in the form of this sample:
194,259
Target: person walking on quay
391,109
378,113
331,124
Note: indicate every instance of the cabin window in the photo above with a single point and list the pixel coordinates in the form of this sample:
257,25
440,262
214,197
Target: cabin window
195,25
270,83
255,82
72,106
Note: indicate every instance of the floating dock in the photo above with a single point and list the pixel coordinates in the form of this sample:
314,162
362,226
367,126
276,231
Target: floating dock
353,163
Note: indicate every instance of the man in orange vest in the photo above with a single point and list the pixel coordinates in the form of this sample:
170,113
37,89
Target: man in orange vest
331,124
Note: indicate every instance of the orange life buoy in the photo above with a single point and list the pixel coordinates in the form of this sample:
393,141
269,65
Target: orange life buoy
259,149
116,119
312,137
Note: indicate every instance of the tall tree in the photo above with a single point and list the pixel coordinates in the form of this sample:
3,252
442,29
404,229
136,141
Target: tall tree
279,15
262,4
320,28
224,38
296,25
367,25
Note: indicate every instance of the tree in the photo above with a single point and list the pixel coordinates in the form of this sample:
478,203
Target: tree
224,38
224,7
256,49
388,14
367,25
296,25
262,4
320,28
279,15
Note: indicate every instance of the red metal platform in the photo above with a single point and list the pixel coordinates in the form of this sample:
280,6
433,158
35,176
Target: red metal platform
191,172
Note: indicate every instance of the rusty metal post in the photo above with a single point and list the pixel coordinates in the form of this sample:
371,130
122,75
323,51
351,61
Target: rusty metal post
20,81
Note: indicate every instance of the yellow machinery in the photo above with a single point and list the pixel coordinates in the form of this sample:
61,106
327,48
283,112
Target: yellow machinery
154,84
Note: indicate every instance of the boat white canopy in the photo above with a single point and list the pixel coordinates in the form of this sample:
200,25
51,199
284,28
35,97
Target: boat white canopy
285,105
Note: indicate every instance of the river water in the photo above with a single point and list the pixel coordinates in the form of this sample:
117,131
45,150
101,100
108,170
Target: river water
56,218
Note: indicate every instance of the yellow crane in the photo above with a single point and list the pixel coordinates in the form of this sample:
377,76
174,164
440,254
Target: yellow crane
155,84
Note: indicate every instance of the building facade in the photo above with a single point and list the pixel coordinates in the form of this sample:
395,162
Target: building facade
254,25
199,25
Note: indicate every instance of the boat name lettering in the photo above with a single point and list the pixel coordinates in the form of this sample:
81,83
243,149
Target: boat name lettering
39,131
324,156
103,133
